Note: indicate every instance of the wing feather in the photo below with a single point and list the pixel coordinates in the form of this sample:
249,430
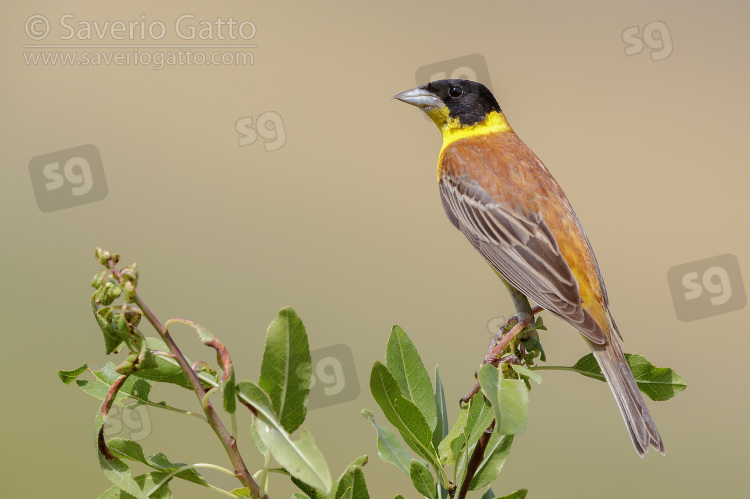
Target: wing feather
521,247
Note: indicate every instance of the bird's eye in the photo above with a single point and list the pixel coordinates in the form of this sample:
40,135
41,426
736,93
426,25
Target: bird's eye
455,91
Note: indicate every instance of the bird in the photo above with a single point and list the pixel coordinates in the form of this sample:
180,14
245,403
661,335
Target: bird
499,194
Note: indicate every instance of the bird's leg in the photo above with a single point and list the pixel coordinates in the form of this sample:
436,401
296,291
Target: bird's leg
524,317
534,310
524,312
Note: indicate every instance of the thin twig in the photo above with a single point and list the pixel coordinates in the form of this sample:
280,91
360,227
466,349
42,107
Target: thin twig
229,443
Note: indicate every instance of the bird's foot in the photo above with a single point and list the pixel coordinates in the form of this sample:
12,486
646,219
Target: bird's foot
502,340
492,355
498,345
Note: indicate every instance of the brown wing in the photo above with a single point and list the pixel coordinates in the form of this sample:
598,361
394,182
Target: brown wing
520,247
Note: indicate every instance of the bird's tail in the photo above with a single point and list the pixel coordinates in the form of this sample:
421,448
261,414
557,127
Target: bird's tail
642,429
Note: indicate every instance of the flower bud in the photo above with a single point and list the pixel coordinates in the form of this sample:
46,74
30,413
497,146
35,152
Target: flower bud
102,256
129,288
130,273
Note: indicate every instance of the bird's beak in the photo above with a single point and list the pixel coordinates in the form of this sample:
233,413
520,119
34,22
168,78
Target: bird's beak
420,97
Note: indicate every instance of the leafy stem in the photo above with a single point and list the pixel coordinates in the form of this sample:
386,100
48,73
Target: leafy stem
228,442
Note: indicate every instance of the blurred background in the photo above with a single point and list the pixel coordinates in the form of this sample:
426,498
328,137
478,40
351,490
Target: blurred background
244,179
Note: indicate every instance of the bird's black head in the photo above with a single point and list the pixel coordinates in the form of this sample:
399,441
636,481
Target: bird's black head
446,100
466,100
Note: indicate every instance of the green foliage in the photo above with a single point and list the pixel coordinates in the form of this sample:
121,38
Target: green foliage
127,449
422,479
390,449
496,452
485,427
407,368
286,369
402,388
277,402
509,399
442,460
402,413
658,383
301,458
68,377
441,411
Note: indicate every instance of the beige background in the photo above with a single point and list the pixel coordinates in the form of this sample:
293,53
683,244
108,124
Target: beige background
344,223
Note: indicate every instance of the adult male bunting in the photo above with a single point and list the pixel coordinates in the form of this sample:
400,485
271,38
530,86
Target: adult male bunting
497,192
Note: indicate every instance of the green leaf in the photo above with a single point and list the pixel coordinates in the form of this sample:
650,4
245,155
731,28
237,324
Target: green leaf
525,371
286,369
509,399
127,449
167,370
351,483
534,347
255,437
519,494
402,413
495,455
360,461
352,486
480,418
310,492
300,458
245,492
228,390
422,479
104,318
146,483
133,387
458,446
441,428
658,383
489,494
406,366
447,457
115,470
390,449
68,377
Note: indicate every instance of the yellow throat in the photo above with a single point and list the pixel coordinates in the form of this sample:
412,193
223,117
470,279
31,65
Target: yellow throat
453,130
